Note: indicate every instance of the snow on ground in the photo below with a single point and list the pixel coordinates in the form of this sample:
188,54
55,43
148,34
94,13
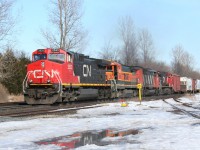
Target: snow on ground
159,127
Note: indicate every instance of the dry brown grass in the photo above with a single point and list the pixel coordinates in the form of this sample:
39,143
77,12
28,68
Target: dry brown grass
3,94
15,98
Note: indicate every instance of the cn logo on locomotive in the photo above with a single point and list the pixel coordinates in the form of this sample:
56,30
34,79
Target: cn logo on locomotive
87,70
41,73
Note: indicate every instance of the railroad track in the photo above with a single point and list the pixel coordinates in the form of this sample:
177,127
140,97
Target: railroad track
47,111
185,108
29,110
24,110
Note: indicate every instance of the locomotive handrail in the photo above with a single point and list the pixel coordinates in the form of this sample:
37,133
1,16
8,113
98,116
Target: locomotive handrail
25,80
114,85
60,82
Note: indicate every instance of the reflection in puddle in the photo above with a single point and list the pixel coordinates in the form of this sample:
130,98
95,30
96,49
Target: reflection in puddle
89,137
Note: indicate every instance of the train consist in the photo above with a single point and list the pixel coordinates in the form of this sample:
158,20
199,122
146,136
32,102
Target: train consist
59,76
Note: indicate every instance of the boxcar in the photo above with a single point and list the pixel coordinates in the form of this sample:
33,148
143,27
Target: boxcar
197,86
175,83
186,84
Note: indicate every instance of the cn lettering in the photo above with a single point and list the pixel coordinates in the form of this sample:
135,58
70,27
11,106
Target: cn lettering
87,70
41,73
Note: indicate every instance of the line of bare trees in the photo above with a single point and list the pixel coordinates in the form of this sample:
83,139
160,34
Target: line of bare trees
183,62
137,48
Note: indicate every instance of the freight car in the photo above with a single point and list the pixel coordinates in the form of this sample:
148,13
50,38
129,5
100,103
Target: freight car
197,85
187,84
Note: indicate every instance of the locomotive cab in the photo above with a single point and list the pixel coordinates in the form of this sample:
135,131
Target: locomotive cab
46,66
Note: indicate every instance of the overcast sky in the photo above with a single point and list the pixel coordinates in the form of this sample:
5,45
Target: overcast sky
170,22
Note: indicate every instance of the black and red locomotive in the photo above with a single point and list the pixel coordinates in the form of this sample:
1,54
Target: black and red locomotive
59,76
56,75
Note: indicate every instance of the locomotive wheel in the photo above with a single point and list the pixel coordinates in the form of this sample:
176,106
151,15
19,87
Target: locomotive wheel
47,100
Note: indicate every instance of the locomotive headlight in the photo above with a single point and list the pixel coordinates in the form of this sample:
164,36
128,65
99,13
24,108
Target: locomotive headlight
48,81
30,81
42,64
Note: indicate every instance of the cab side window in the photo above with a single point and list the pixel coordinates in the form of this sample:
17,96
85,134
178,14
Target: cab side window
69,58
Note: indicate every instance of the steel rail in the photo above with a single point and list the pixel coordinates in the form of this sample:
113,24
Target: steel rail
189,113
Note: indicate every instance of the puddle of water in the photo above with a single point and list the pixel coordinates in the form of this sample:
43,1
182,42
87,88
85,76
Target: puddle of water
89,137
111,133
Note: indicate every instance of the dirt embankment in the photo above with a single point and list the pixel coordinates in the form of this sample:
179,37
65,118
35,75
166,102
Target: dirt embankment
15,98
3,94
5,97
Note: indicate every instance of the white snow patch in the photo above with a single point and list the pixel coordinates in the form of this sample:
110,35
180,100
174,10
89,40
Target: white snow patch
159,128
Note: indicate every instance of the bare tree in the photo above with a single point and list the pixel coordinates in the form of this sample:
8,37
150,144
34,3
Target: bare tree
129,48
195,75
146,47
159,66
177,55
6,20
109,52
68,33
182,61
187,61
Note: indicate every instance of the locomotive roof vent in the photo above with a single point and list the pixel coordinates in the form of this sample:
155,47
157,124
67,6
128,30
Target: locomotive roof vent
55,50
40,50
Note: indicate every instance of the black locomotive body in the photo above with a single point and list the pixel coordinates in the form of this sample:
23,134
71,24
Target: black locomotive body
90,70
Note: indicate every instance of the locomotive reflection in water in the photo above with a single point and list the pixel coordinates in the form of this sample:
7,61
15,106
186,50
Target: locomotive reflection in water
59,76
89,137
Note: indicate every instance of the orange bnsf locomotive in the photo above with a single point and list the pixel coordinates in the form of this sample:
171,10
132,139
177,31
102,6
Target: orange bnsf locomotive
59,76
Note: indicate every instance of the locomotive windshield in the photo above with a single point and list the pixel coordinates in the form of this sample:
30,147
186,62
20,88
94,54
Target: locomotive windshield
57,57
39,57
